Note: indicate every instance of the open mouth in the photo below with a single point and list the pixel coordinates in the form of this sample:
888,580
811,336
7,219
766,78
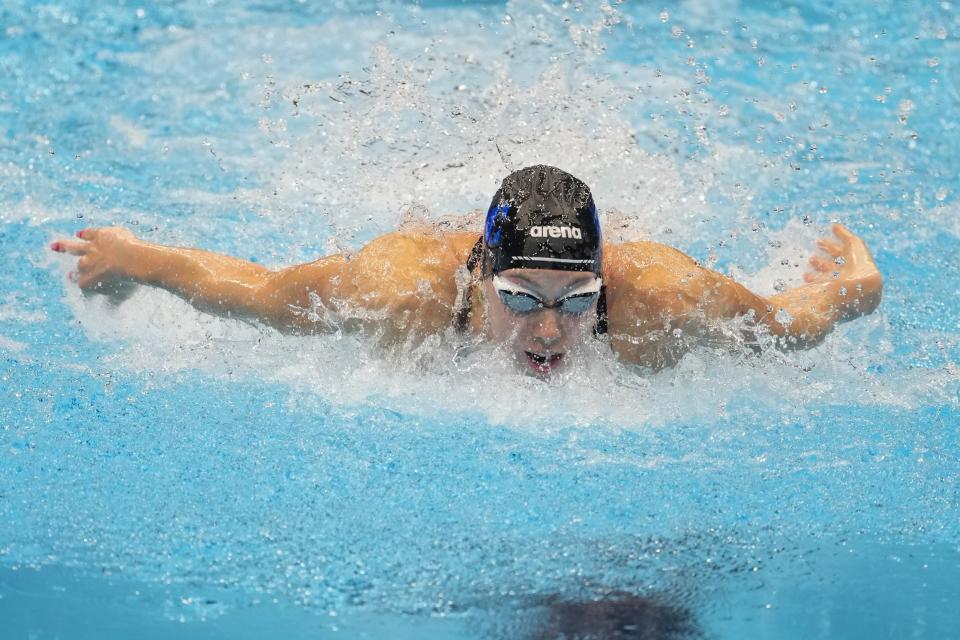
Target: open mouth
544,363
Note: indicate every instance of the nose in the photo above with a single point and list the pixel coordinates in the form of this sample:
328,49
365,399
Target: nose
546,327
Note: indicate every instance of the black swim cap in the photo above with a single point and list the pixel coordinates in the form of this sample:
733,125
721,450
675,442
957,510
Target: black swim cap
542,218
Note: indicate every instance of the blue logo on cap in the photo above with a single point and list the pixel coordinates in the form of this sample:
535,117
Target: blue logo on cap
496,216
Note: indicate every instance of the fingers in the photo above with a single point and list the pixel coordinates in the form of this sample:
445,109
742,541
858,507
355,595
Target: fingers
822,264
829,246
73,247
843,233
88,282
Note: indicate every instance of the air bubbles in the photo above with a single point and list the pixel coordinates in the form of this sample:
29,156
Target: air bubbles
941,194
664,16
840,260
904,109
676,31
933,62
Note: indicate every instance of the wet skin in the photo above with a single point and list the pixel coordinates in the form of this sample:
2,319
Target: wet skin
403,286
539,341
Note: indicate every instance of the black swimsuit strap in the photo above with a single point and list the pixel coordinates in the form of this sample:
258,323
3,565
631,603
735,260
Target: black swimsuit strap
462,317
600,328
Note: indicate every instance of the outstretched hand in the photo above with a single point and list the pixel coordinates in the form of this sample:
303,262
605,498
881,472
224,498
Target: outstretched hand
102,254
847,263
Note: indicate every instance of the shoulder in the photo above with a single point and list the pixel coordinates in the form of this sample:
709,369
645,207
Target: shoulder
649,287
647,271
419,250
629,259
405,254
410,276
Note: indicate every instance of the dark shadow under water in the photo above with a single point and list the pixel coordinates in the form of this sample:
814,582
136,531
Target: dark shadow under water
616,615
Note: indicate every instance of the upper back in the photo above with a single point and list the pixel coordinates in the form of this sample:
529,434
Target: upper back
406,281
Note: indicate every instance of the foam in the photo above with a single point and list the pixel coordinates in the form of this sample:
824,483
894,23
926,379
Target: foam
196,450
403,135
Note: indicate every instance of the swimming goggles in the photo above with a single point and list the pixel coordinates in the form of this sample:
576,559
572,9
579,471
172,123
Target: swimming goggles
520,300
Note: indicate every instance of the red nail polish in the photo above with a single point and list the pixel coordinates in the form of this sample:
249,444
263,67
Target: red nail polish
80,234
55,246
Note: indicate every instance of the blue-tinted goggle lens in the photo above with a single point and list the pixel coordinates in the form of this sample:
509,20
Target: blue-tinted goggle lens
525,303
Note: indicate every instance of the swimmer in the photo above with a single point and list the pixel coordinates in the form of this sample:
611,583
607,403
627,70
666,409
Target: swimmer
539,280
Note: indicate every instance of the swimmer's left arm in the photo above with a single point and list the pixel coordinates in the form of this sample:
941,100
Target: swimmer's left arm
844,285
662,290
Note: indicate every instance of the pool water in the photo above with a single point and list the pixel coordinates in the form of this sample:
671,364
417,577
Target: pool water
163,472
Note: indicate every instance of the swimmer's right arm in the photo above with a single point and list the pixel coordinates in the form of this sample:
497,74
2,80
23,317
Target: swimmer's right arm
372,292
212,282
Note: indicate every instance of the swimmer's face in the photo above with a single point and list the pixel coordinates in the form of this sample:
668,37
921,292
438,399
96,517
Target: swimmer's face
539,340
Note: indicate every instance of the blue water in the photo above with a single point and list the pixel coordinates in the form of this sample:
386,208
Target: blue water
166,473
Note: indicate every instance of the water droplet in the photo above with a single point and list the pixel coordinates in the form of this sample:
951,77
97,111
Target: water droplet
843,292
840,260
676,31
941,194
823,89
664,16
933,62
904,109
783,317
853,177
